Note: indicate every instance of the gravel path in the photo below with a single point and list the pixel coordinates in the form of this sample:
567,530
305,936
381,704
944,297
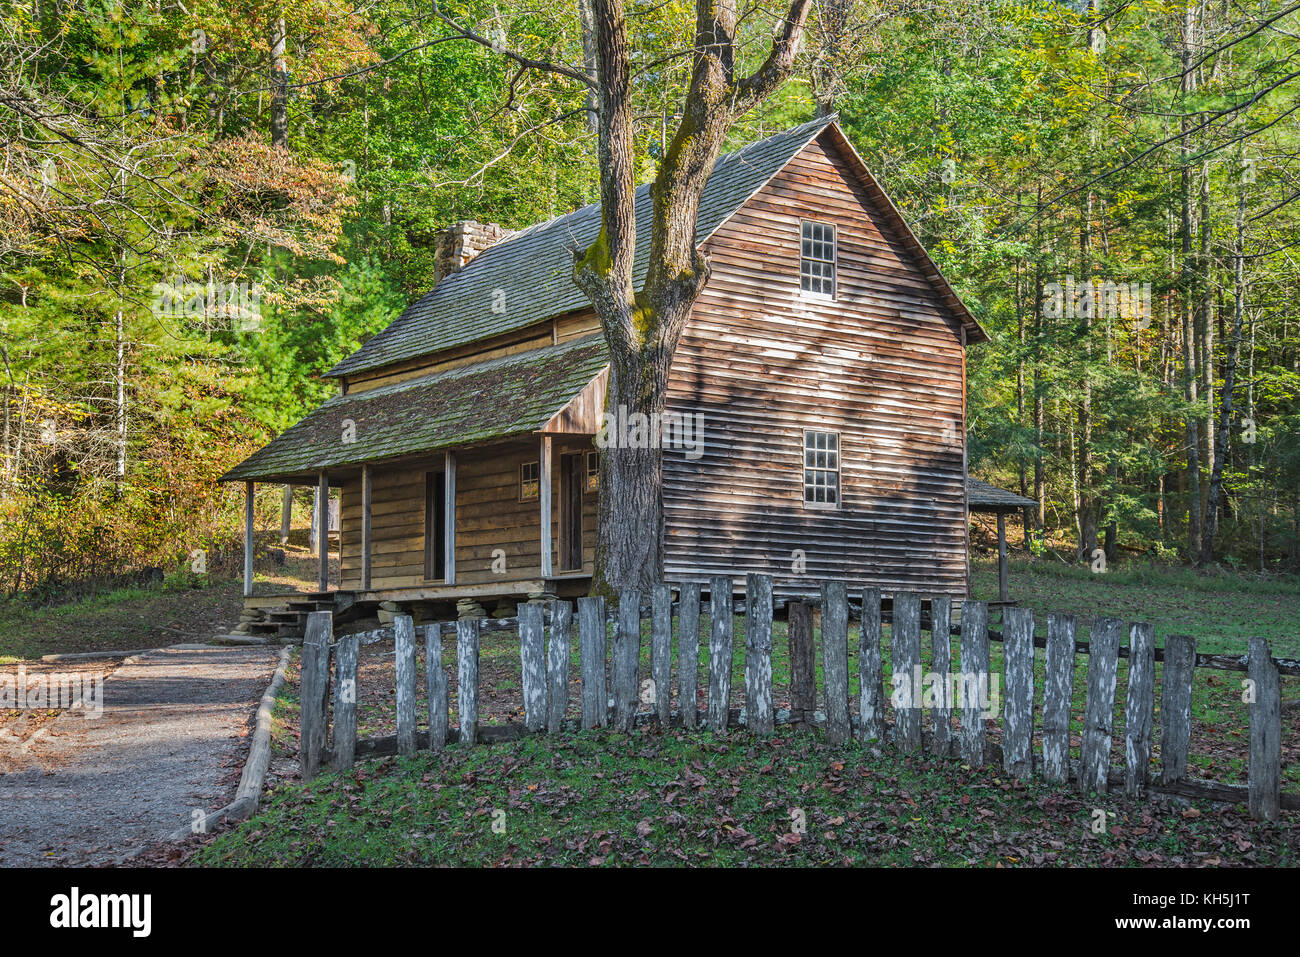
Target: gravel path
172,738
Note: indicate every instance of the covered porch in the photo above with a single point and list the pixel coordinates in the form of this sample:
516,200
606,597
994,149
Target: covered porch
476,483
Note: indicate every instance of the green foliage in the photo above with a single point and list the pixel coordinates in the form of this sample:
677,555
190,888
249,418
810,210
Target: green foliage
1025,144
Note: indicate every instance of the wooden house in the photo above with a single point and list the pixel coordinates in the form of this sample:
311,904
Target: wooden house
825,361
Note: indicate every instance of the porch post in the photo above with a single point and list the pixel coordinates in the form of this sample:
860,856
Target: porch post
544,498
286,514
1002,556
365,528
248,539
323,528
449,522
313,544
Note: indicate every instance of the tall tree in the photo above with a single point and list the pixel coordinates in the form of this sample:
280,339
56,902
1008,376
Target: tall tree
642,327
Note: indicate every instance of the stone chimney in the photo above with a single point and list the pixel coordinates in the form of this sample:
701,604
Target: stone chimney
457,244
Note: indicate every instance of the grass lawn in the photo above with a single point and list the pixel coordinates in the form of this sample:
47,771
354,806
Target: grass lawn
185,607
690,799
1221,610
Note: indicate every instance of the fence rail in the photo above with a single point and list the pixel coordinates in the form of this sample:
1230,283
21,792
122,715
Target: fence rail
546,638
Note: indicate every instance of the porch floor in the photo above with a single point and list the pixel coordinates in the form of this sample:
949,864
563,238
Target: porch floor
565,585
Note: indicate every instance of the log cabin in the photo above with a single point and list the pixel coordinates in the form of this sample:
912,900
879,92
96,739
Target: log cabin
825,361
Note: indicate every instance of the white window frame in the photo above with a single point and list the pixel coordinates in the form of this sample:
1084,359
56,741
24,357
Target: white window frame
834,260
805,468
591,467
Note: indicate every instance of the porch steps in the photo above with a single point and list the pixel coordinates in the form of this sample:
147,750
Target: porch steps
287,622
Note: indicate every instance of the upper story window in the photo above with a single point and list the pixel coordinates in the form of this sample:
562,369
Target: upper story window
821,468
817,259
530,481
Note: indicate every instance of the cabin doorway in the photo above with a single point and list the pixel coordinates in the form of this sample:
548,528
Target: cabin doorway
572,476
435,526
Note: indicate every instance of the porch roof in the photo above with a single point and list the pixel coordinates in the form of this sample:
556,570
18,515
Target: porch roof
511,396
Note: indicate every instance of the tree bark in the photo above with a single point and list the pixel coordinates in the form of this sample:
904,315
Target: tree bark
1229,380
642,328
1192,427
279,86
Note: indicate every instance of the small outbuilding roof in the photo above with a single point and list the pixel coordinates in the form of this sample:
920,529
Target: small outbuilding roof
512,396
983,497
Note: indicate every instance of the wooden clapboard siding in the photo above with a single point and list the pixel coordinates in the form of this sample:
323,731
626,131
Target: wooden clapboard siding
489,516
882,364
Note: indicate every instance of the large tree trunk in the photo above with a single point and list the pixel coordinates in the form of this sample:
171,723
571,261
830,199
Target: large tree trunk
1192,426
1229,380
279,86
586,17
642,328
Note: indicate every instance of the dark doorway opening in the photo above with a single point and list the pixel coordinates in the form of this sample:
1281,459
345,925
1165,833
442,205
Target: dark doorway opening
435,526
573,475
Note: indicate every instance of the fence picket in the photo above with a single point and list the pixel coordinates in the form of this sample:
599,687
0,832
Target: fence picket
1265,776
435,681
758,653
871,689
803,662
1099,712
1058,691
1018,717
1139,706
975,680
591,648
941,665
835,660
688,654
467,633
557,664
1176,707
404,649
905,661
313,686
661,650
720,650
627,651
532,664
345,703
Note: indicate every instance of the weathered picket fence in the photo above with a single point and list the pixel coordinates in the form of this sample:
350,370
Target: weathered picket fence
546,684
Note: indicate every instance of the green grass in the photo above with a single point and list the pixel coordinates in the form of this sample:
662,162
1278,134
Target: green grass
125,618
602,798
1221,610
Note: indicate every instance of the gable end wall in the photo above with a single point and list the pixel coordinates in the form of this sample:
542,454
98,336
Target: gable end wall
883,364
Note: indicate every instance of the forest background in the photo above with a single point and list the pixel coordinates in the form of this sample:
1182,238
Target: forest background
206,204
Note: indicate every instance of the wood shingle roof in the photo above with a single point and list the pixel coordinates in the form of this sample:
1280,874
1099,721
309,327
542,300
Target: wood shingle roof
511,396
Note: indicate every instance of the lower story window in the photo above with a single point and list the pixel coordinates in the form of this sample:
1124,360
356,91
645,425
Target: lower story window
529,481
821,468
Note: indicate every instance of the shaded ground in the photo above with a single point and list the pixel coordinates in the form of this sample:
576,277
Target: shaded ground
171,740
656,799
